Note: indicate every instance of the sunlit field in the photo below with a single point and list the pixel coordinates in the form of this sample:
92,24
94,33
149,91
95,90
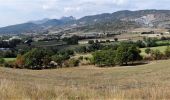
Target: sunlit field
150,81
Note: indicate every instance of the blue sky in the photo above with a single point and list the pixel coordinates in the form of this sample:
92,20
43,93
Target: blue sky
19,11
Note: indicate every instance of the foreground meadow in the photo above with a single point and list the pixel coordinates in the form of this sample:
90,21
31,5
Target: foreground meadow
150,81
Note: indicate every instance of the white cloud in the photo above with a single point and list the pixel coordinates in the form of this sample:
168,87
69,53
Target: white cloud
71,9
24,10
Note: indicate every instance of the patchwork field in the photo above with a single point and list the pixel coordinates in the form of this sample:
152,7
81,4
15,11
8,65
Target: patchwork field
150,81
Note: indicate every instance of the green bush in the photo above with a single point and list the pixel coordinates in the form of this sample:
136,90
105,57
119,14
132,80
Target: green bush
2,61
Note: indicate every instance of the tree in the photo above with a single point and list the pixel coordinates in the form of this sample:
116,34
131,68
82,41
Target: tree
34,58
104,58
127,53
133,54
121,54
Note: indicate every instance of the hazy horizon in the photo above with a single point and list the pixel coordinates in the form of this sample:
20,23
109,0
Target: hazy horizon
20,11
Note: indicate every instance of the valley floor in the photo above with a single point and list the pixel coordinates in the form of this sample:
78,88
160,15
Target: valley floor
150,81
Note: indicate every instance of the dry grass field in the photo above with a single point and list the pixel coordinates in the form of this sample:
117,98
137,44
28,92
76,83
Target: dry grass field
150,82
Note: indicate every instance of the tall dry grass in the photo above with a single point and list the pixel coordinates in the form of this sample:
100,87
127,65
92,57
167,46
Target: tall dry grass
148,82
10,90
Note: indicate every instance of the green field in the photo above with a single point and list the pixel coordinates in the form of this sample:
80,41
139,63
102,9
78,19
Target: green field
161,48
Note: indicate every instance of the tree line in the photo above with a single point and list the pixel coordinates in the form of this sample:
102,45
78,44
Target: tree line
122,55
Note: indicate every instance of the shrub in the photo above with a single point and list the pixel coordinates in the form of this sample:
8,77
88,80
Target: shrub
147,50
10,64
156,55
167,52
73,62
116,39
81,58
108,41
2,61
86,58
20,61
91,42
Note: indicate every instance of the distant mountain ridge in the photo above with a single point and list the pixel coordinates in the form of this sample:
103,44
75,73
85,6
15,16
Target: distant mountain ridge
107,21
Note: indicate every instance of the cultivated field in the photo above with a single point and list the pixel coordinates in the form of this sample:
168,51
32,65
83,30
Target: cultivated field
151,81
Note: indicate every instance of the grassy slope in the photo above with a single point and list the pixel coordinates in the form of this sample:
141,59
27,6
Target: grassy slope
161,48
88,82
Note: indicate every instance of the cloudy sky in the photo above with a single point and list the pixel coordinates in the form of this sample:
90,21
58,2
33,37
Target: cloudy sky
19,11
